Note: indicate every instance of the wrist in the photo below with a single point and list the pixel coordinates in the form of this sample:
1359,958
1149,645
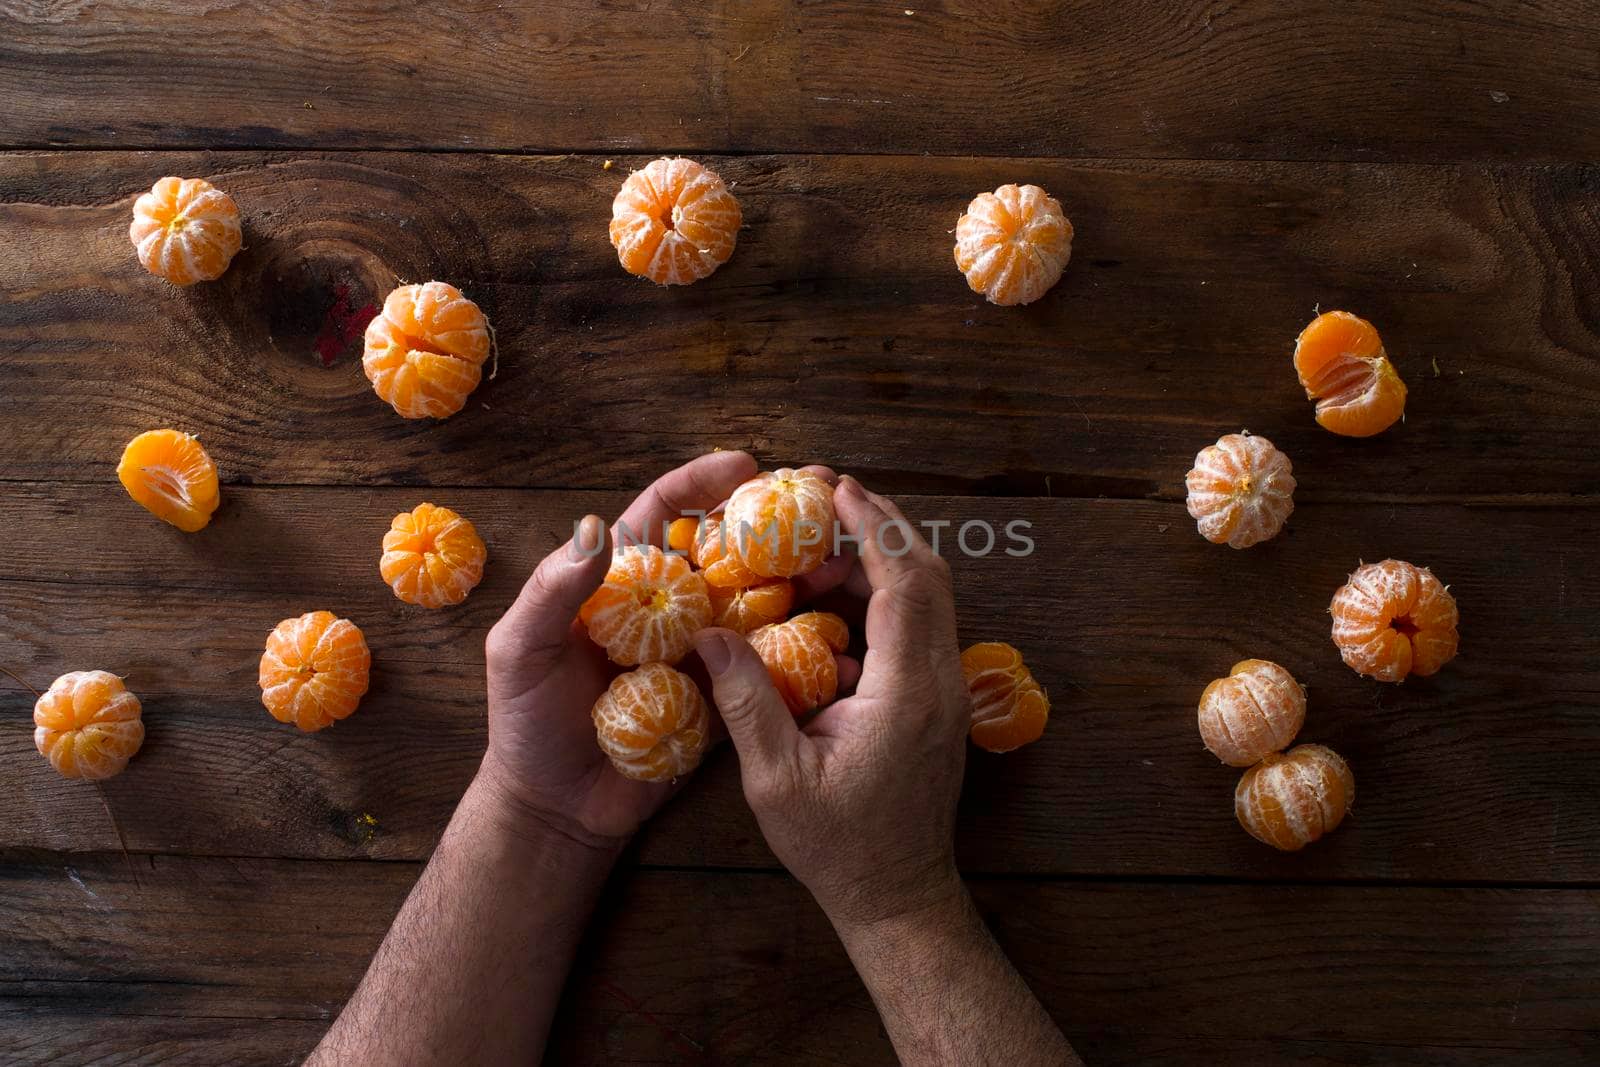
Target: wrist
492,801
937,899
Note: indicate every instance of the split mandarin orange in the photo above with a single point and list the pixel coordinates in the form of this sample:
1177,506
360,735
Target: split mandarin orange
1253,712
674,222
1291,799
653,723
800,662
746,610
88,725
1013,244
1241,491
169,475
425,350
649,609
1009,708
681,534
1392,619
432,556
315,670
828,626
714,554
185,230
781,523
1342,365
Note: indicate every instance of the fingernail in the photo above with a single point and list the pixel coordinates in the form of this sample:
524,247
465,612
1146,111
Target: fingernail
589,539
849,485
715,653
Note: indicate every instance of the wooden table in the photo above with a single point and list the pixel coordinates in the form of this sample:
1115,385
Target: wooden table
1229,166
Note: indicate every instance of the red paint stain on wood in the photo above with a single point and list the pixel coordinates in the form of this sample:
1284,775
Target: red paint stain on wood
680,1041
342,325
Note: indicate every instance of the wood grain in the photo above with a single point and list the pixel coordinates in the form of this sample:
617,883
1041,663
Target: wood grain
1357,80
1481,773
839,331
701,967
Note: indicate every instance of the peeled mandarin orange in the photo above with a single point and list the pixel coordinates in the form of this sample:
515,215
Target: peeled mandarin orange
432,556
1013,244
653,723
828,626
1255,711
713,552
315,670
1241,491
1290,800
746,610
781,523
799,657
1392,619
1009,709
649,609
682,533
674,222
169,475
88,725
1343,367
424,352
185,230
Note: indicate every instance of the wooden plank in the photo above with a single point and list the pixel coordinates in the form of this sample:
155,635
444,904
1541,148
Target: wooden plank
698,967
1484,772
840,329
1362,79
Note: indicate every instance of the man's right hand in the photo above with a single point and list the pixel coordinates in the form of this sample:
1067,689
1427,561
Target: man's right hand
860,804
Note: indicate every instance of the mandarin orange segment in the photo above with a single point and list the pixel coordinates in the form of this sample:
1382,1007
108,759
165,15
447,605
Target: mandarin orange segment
800,663
1392,619
1241,491
432,556
674,222
682,533
315,670
653,723
1013,244
88,725
781,523
1290,800
169,475
185,230
828,626
714,554
1343,366
1255,711
649,609
1009,708
747,610
425,351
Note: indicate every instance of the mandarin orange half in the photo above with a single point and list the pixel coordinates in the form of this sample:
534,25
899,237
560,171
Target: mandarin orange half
674,222
1013,244
1009,708
169,475
315,670
653,723
185,230
1291,799
425,351
1342,365
1392,619
88,725
649,608
432,556
1255,711
799,656
746,610
1241,491
781,523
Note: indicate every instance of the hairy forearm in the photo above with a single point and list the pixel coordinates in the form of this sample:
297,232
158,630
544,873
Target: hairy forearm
946,992
473,966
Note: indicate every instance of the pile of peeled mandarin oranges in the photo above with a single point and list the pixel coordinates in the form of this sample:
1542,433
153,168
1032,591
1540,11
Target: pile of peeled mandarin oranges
674,222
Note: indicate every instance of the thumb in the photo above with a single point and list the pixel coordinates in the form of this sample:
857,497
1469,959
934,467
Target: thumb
758,721
538,622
